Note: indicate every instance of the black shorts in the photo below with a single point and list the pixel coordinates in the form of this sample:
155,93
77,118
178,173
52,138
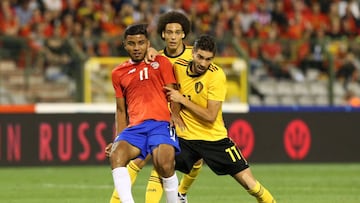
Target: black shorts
222,156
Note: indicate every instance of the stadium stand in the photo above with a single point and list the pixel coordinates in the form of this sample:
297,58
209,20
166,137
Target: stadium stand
308,44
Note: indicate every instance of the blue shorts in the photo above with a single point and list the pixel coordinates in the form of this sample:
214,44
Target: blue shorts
148,135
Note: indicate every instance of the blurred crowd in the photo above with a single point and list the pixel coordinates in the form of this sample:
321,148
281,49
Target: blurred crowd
281,39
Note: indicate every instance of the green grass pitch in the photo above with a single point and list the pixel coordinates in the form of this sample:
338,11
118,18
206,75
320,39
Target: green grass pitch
289,183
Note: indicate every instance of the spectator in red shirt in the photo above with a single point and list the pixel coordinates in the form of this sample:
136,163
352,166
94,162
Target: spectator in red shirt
272,55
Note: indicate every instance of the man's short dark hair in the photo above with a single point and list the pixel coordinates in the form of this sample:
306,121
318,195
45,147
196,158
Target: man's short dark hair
173,17
206,43
136,29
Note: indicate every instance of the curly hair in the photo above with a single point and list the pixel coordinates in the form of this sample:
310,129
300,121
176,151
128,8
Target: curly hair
173,17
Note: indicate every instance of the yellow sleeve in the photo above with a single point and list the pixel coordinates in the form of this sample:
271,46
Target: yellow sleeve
217,86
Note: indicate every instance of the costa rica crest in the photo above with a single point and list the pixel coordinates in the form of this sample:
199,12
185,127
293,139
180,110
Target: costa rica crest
155,65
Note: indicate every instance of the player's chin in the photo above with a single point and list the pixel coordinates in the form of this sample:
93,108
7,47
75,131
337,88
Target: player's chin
137,58
200,70
172,45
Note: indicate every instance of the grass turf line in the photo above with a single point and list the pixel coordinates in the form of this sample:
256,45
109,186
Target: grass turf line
289,183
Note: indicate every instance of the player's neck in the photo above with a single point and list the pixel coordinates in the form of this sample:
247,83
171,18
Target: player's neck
173,53
190,70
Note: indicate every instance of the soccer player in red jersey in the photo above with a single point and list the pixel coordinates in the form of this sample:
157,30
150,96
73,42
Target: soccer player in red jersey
142,116
173,27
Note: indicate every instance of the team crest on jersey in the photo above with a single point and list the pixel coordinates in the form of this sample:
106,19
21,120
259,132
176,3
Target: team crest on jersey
155,65
198,87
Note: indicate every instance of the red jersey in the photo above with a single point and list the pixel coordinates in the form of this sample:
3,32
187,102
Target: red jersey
142,85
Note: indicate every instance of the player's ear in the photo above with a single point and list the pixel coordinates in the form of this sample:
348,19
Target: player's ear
162,35
183,35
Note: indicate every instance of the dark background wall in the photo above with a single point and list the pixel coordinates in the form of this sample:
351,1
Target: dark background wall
263,136
297,137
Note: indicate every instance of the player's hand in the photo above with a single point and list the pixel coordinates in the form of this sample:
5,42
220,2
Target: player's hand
151,55
174,95
108,149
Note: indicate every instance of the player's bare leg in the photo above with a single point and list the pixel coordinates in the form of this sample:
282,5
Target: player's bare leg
164,162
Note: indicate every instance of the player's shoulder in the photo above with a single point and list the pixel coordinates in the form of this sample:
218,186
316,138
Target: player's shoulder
122,66
186,57
162,52
180,61
161,59
215,69
187,52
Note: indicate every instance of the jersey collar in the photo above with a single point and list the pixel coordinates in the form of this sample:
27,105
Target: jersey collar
167,54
